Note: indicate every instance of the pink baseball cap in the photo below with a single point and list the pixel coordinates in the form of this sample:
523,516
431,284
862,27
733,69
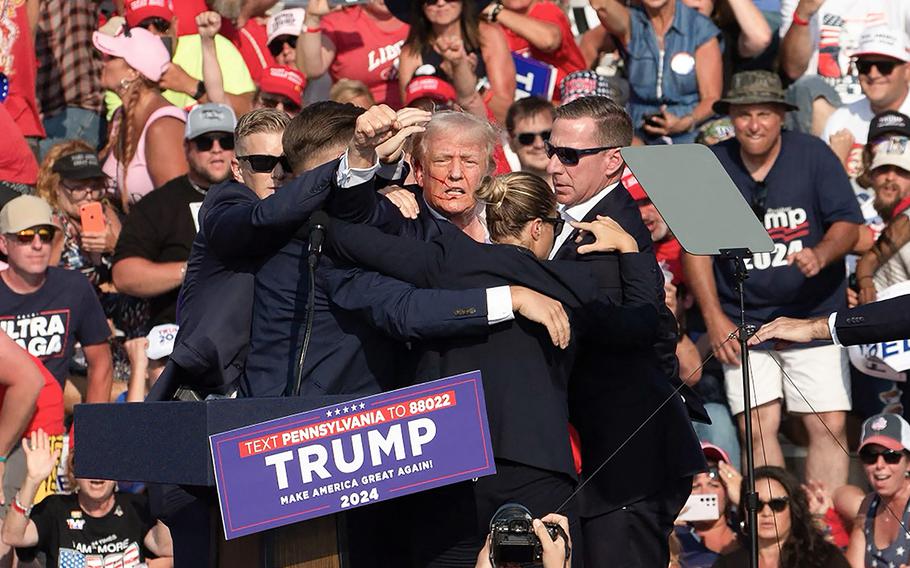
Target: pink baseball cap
714,453
141,49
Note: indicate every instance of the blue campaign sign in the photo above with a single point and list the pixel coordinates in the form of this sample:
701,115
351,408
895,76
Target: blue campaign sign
533,78
360,452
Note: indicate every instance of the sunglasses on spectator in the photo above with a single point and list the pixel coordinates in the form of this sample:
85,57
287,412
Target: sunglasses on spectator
79,189
528,138
206,142
869,456
434,2
571,156
264,163
778,504
27,236
160,24
277,45
272,100
885,68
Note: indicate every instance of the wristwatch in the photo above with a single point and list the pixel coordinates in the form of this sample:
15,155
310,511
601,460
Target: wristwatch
200,91
494,13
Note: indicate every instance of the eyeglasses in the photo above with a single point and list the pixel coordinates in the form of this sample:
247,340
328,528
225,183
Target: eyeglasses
206,142
778,504
869,456
759,200
27,236
864,66
160,24
557,222
264,163
272,100
277,45
79,189
528,138
571,156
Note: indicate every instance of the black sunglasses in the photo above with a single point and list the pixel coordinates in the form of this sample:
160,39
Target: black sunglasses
571,156
759,200
557,222
264,163
28,235
205,142
884,67
528,138
869,456
277,45
778,504
271,100
160,24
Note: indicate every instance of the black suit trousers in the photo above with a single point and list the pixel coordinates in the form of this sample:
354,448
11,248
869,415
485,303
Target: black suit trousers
449,525
636,535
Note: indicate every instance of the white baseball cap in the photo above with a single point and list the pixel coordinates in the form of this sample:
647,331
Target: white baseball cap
286,22
892,151
882,40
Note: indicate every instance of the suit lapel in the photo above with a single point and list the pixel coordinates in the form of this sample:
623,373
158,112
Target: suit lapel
605,206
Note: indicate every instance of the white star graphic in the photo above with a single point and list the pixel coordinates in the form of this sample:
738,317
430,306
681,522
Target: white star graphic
891,565
361,406
346,409
900,551
329,413
337,412
875,564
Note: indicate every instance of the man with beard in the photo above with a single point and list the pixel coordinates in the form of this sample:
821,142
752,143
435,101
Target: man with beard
154,246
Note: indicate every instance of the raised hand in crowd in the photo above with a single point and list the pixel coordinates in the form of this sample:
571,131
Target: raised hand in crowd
139,364
609,236
841,143
544,310
796,47
461,66
819,497
666,123
409,121
208,23
176,79
40,457
403,199
732,480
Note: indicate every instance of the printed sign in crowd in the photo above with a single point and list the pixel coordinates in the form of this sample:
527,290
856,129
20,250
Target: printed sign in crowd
348,455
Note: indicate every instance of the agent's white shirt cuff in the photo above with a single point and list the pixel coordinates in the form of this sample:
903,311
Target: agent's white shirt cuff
499,305
349,177
832,328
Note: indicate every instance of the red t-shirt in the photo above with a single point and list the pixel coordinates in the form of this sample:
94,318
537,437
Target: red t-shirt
566,58
49,408
21,66
252,43
365,52
17,162
669,251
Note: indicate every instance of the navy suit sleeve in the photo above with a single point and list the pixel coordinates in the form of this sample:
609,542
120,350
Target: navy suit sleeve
411,260
239,225
403,311
887,320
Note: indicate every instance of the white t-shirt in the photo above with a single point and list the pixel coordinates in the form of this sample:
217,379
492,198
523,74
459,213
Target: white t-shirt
835,30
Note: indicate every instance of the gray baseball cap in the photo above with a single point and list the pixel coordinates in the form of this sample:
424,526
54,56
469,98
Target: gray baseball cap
209,117
888,430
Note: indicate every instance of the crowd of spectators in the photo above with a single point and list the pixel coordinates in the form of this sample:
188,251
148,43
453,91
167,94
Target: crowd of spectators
119,117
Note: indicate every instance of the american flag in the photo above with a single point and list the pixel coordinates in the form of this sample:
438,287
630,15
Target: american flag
71,559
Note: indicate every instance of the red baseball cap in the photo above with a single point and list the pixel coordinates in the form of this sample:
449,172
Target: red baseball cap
428,86
283,80
138,10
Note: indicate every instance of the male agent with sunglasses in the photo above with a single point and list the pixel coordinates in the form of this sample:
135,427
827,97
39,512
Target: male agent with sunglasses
45,309
613,391
154,245
528,123
801,195
884,76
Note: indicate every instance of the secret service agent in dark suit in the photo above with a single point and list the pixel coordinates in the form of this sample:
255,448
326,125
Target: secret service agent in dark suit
886,320
525,377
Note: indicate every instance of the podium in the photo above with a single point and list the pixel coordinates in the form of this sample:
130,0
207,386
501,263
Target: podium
168,442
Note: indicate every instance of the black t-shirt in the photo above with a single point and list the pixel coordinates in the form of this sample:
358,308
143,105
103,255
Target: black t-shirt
807,191
49,321
161,228
70,537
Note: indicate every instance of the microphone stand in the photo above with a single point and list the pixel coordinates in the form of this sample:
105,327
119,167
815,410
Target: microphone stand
750,499
317,235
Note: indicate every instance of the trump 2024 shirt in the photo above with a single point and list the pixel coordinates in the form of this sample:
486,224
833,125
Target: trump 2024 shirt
49,321
807,191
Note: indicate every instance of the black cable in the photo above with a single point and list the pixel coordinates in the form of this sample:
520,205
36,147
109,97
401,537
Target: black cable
310,306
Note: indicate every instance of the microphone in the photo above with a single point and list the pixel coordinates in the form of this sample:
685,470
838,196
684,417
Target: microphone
318,222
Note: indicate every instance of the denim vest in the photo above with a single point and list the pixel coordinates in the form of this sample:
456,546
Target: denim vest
678,85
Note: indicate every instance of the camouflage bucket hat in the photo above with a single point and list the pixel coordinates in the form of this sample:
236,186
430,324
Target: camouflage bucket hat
754,87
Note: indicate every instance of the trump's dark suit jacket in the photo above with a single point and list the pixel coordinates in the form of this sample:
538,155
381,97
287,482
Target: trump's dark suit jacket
888,320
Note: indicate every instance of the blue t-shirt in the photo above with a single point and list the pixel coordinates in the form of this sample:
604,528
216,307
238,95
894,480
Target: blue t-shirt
807,191
678,86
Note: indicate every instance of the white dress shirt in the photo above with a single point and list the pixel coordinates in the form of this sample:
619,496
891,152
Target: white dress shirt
576,213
